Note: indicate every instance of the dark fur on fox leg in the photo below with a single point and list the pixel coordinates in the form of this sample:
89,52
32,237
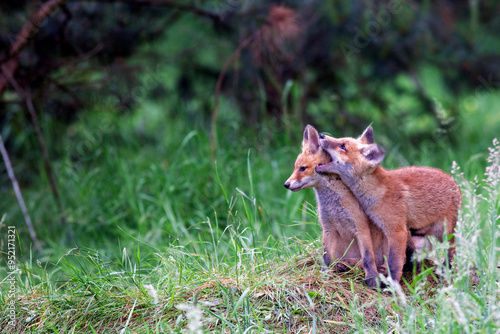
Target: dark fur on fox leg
410,264
326,260
374,283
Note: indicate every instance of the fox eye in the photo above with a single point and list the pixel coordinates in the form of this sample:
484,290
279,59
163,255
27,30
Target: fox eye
302,169
322,136
342,146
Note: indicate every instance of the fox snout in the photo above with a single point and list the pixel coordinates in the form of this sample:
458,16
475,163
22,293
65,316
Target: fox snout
287,185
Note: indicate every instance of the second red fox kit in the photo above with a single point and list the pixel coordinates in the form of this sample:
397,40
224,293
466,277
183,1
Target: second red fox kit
421,199
348,235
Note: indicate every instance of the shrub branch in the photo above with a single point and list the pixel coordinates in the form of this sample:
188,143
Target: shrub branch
29,29
26,96
19,196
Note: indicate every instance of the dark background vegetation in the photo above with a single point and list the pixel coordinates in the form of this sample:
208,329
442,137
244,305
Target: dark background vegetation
155,115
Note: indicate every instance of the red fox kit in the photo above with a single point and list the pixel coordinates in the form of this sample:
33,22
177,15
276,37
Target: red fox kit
417,198
342,218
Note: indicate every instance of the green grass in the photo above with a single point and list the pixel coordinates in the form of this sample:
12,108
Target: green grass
231,282
164,237
159,187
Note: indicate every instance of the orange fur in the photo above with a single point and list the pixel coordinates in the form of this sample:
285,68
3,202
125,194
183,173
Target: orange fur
348,235
417,198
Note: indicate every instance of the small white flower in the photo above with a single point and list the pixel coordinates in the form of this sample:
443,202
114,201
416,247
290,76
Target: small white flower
398,290
152,292
194,316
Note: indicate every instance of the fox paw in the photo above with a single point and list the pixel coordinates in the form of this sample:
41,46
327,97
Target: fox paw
374,283
342,267
326,260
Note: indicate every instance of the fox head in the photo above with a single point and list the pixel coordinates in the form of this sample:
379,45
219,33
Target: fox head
304,174
350,156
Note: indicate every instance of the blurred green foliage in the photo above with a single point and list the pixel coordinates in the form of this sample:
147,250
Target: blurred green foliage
126,93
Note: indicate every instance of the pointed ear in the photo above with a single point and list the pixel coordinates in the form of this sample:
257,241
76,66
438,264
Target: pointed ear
367,136
373,153
311,139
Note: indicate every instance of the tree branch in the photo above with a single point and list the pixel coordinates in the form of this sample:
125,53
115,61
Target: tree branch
218,88
26,96
18,194
11,62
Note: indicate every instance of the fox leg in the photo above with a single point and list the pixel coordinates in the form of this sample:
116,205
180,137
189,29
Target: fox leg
451,231
397,252
438,230
410,250
451,251
326,259
330,240
368,256
451,222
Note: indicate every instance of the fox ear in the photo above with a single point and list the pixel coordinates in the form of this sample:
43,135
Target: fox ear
367,136
311,139
373,153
